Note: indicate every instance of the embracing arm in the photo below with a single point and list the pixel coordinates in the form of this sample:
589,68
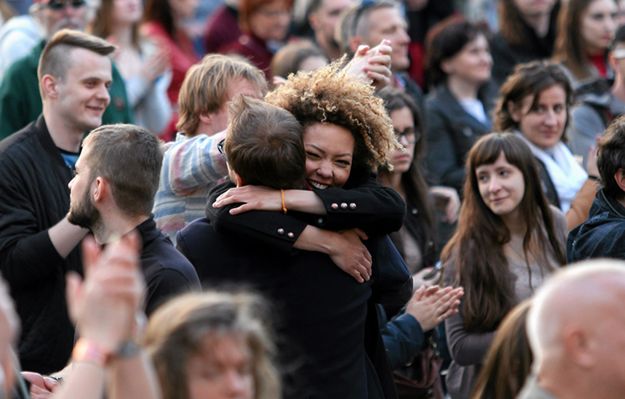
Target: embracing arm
28,254
369,206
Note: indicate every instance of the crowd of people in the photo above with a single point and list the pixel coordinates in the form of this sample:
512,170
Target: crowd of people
317,199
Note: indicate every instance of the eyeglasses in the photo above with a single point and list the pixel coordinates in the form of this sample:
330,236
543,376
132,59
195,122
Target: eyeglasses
408,135
58,5
220,148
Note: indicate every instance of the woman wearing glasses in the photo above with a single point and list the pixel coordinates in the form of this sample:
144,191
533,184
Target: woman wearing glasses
416,240
459,65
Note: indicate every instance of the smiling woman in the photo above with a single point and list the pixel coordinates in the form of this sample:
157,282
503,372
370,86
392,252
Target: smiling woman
535,103
508,240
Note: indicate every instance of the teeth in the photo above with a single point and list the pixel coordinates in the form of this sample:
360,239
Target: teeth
318,185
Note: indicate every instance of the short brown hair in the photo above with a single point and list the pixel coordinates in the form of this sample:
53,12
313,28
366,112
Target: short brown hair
129,157
205,87
264,144
611,157
54,58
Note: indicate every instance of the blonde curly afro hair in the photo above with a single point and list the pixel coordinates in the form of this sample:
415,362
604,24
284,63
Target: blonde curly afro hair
330,95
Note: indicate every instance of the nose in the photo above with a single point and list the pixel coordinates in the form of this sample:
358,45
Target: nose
324,169
494,184
71,183
550,118
103,94
234,384
402,37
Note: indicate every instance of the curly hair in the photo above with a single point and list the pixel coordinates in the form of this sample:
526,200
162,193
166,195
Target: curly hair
330,95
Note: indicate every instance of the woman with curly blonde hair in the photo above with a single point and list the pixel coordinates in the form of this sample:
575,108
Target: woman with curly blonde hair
213,345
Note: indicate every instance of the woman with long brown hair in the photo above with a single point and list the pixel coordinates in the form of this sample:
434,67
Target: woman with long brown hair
508,240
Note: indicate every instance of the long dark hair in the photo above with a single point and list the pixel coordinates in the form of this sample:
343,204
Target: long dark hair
412,180
512,23
476,248
102,25
160,11
570,48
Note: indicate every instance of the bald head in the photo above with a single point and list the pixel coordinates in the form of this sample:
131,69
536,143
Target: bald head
576,325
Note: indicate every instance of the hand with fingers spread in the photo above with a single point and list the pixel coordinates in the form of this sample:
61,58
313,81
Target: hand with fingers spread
350,254
432,305
105,303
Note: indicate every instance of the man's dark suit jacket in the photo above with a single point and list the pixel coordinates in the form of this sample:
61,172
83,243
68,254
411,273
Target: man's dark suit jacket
320,309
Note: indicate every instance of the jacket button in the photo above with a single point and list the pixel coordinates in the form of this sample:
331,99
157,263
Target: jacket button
290,234
280,231
343,205
320,221
334,205
352,205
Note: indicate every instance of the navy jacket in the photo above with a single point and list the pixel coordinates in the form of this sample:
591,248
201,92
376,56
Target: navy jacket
601,236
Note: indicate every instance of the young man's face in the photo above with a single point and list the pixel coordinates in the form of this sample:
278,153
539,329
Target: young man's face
83,93
240,86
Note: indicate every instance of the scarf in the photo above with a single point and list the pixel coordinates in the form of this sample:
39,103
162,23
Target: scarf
565,172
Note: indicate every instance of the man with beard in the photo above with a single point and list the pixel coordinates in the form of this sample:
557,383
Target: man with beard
20,101
112,194
36,163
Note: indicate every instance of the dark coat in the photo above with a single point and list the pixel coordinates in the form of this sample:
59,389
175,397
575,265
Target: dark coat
506,56
451,132
166,271
601,236
321,310
34,197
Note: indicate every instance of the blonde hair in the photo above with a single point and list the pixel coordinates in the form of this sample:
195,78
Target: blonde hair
176,330
205,87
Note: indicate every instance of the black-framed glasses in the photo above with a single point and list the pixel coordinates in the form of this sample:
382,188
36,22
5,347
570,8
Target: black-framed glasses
58,5
220,148
408,135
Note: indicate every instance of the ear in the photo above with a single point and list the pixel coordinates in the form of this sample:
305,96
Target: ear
578,347
619,178
205,119
354,42
612,61
99,188
49,86
313,20
236,179
514,111
447,67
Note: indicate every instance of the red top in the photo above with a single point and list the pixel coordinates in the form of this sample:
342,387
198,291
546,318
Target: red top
599,61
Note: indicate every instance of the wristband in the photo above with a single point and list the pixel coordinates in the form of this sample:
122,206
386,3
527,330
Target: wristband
127,349
284,210
90,352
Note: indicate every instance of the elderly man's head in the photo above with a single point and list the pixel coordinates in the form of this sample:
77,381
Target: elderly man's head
576,329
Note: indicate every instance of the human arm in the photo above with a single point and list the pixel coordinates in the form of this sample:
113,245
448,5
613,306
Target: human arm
466,348
447,200
585,126
370,206
581,203
194,163
104,306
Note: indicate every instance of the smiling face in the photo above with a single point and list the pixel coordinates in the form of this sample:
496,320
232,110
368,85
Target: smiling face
222,369
82,95
403,124
501,186
598,25
473,63
329,155
543,123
